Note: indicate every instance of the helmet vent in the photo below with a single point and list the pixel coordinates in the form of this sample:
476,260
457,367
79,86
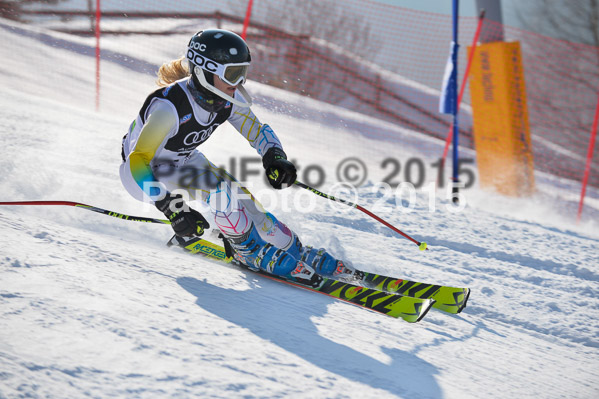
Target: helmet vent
218,35
233,51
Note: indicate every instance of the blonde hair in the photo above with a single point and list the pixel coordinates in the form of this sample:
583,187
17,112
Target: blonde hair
172,71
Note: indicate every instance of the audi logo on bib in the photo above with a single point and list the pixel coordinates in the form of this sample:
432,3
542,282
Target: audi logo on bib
195,138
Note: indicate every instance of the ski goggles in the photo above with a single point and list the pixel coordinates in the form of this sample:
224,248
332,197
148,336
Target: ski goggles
232,74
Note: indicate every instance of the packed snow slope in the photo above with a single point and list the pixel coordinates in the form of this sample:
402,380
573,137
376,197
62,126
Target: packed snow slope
93,306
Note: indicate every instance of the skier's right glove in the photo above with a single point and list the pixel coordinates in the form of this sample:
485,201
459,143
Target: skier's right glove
185,221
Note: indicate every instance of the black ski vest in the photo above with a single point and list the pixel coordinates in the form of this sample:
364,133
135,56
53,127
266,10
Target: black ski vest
191,133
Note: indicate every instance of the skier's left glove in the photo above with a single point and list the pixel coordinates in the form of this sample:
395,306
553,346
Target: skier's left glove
280,172
185,221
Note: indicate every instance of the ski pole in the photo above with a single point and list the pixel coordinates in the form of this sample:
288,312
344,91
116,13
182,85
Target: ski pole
90,208
421,245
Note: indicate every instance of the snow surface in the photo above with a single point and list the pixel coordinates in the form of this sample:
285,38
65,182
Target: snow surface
92,306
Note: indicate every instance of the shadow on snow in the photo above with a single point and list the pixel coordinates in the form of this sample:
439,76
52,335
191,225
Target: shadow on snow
288,326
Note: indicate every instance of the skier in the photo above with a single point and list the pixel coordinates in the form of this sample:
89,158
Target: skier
198,93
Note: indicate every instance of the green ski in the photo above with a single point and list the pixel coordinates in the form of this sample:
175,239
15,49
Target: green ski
395,305
448,299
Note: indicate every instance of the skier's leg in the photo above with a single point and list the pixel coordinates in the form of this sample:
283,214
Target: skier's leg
278,234
231,216
258,238
198,176
269,227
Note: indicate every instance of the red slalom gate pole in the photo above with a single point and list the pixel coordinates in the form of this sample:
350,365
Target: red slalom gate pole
587,169
246,21
97,33
481,17
90,208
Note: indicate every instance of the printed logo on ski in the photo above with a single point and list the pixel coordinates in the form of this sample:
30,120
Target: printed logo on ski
208,251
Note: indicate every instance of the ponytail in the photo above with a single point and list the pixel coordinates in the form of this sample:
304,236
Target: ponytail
172,71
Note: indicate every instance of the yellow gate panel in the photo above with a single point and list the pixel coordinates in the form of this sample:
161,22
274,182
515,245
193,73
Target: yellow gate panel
500,116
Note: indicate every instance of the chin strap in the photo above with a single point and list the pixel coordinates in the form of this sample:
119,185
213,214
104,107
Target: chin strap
247,100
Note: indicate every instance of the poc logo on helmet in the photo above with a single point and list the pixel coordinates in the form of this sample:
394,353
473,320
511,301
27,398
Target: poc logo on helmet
198,46
199,60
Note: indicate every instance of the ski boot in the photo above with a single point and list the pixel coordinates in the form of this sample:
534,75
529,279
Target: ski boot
251,250
295,246
324,264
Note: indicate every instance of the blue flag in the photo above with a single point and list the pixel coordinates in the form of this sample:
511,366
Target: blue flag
448,100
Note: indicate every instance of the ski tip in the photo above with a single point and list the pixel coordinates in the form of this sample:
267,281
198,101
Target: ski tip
421,307
426,307
466,297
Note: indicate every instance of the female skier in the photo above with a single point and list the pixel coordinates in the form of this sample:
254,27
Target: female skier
198,93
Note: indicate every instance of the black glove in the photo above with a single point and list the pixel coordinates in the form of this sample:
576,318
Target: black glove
280,172
184,220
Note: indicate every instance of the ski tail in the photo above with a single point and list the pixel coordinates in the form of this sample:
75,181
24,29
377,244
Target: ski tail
200,246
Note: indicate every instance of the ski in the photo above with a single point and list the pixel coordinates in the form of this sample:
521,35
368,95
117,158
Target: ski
447,299
395,305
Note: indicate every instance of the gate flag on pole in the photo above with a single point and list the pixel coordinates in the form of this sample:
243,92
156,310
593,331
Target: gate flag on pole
447,102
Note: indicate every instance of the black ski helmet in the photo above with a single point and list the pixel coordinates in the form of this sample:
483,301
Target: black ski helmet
219,45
